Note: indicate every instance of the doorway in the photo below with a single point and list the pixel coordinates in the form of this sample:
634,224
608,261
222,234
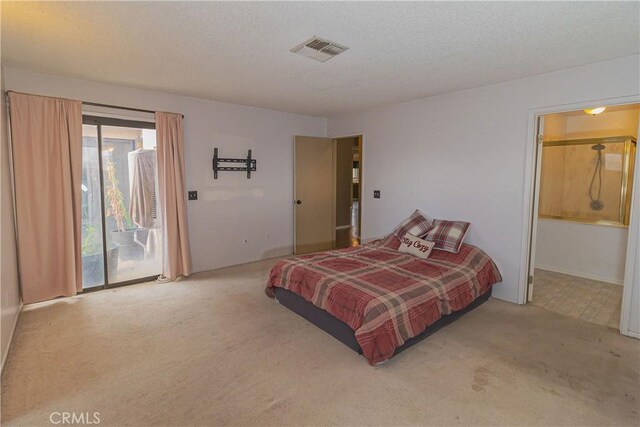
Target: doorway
121,228
585,167
327,193
348,171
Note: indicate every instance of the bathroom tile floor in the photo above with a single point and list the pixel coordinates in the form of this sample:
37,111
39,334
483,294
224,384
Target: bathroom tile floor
584,299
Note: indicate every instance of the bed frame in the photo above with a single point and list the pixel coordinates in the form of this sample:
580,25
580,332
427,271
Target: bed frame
343,332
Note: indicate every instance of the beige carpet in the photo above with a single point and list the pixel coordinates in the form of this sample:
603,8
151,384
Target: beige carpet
214,350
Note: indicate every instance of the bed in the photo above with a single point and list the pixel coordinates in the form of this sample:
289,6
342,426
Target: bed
379,301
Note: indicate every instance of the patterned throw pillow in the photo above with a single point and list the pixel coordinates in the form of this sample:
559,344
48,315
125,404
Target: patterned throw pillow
447,235
417,224
416,246
391,241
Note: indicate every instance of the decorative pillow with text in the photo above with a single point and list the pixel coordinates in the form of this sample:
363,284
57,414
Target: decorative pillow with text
416,246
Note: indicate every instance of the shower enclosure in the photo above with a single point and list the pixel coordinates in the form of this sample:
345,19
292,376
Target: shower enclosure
588,180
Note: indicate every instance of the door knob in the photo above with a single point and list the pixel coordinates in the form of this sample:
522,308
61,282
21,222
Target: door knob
298,202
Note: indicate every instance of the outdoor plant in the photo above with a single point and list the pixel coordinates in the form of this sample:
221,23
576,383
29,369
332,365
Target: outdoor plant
116,208
91,240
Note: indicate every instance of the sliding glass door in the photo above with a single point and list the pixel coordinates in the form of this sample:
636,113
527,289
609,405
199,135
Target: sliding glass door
92,243
121,229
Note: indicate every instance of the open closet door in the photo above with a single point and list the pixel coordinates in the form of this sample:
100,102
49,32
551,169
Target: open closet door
314,192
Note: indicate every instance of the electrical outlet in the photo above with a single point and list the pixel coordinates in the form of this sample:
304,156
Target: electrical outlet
193,195
376,194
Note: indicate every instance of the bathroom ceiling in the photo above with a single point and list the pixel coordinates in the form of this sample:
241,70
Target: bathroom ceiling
609,109
238,52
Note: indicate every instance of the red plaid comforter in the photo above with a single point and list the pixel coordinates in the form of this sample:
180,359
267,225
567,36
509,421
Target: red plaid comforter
386,296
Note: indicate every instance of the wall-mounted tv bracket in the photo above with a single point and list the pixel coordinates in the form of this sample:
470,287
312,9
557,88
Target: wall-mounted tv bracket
221,164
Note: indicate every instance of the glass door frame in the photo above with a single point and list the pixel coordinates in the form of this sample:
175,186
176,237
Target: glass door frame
98,122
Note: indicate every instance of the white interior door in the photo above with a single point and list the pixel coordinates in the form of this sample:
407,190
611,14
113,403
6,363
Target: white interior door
534,213
314,192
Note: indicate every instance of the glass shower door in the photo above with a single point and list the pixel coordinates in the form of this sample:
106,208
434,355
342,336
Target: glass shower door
588,180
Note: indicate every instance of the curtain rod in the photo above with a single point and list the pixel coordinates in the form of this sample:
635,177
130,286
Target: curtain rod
96,104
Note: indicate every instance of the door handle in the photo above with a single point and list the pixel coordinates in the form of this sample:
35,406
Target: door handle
298,202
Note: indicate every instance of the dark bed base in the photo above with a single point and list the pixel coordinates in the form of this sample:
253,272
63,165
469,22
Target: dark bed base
342,332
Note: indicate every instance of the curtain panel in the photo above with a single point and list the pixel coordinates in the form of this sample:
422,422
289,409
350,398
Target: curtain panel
46,135
176,260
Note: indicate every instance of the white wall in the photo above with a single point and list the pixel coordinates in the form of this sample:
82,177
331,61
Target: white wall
457,156
9,286
462,155
231,208
586,250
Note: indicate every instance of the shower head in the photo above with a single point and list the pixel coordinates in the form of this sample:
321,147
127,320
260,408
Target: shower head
597,147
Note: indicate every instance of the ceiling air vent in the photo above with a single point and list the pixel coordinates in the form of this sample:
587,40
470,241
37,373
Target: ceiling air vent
319,49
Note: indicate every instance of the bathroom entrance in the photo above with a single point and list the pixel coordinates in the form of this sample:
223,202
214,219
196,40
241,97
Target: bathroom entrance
348,172
582,208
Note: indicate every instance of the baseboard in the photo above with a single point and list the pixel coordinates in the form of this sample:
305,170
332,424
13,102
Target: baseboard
13,331
580,274
632,334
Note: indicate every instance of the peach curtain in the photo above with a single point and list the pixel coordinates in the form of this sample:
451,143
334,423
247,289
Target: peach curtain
46,135
176,259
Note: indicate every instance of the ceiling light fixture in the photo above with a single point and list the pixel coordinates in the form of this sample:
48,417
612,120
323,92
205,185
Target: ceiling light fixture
595,111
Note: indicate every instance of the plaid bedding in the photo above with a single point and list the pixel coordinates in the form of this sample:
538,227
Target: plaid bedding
386,296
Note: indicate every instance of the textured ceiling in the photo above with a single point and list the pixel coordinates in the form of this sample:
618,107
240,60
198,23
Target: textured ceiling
239,52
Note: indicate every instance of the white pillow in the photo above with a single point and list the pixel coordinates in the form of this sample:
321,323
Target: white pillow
416,246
